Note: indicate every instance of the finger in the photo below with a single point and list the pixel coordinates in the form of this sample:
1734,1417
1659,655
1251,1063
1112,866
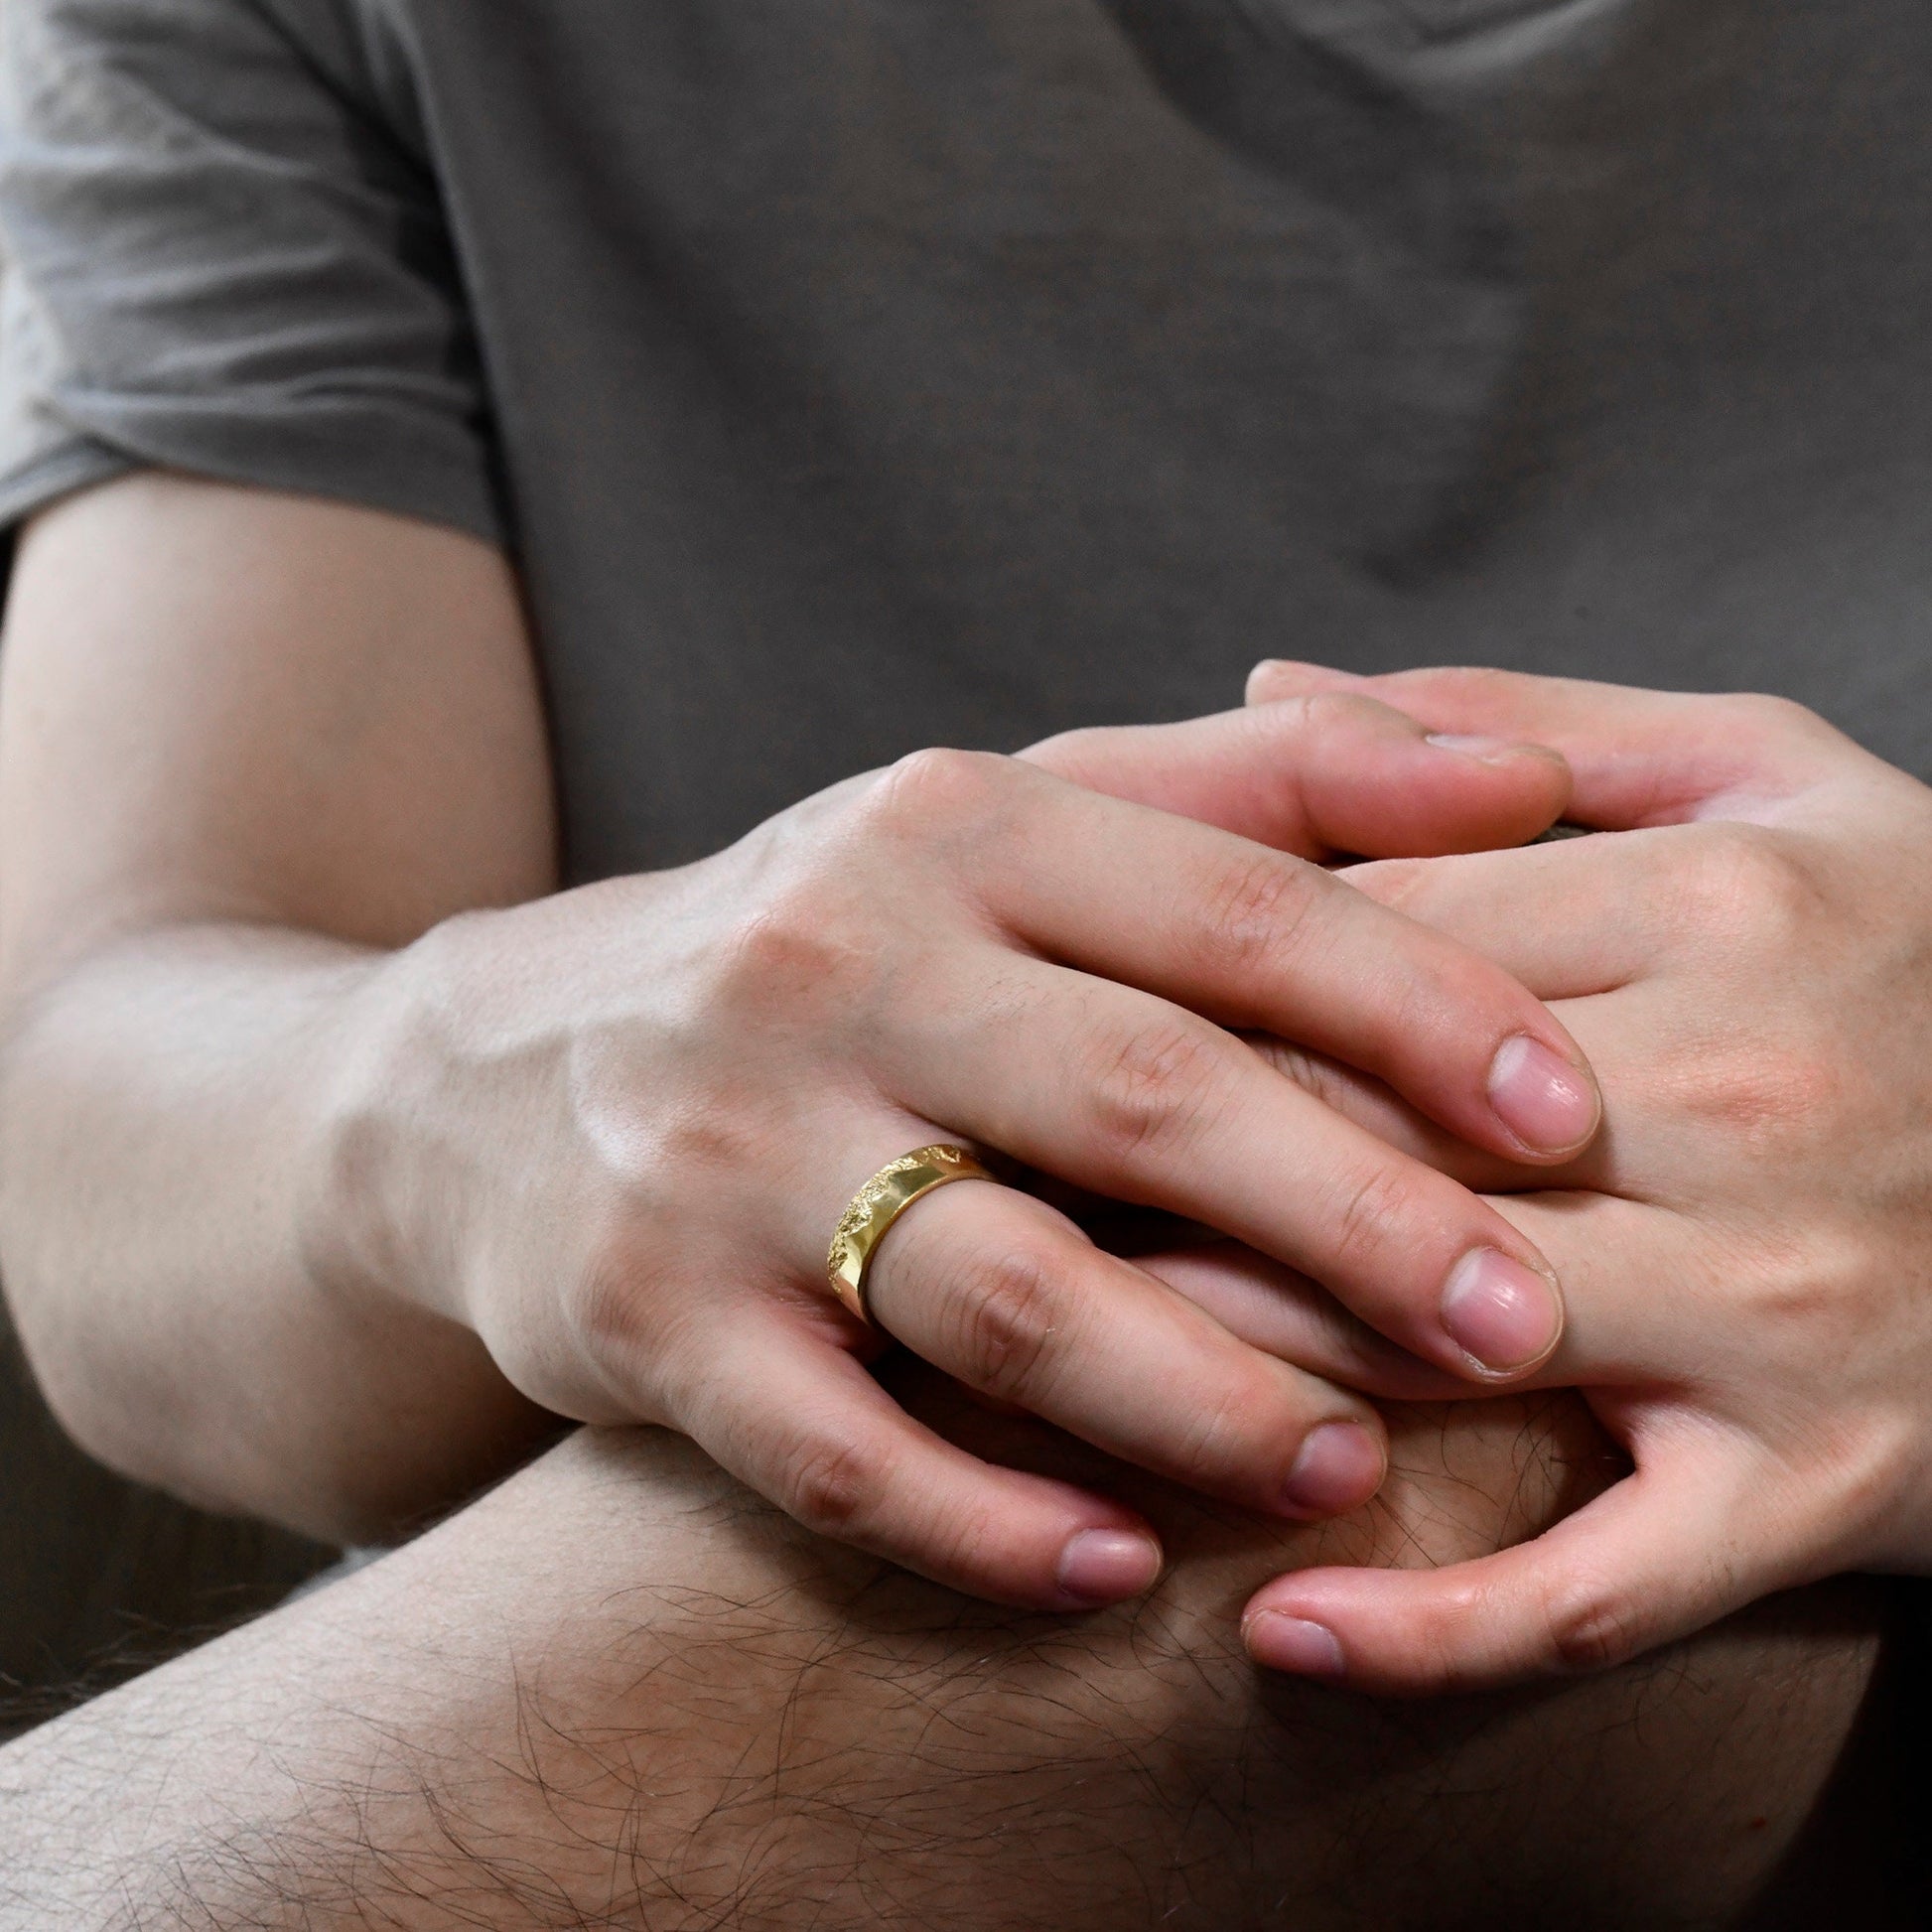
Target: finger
1639,1280
1255,939
805,1426
1659,1555
1329,772
1010,1298
1639,758
1630,1155
1139,1101
1568,920
1368,1103
1284,1314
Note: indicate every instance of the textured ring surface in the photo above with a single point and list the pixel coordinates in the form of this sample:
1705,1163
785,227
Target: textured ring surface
879,1203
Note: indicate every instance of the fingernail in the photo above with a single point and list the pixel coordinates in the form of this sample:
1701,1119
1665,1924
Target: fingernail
1473,745
1104,1565
1501,1313
1278,1641
1547,1103
1489,750
1339,1469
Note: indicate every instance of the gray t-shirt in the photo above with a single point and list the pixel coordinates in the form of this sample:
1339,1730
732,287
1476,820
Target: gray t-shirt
854,374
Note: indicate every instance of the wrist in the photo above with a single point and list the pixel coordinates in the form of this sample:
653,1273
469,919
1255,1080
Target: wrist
385,1218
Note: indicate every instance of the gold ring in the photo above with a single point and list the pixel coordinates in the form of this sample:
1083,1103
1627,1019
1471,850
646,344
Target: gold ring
878,1205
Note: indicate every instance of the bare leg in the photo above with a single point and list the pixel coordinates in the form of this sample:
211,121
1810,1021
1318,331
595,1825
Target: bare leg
620,1692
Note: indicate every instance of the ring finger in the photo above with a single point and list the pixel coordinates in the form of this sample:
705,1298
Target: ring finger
1008,1295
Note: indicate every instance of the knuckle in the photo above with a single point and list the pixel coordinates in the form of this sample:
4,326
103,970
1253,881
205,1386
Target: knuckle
1763,1097
1752,886
608,1301
1151,1087
1257,913
1006,1313
1865,1460
1227,1438
1793,1282
1331,710
1591,1631
1370,1204
707,1138
1311,716
1442,999
936,790
642,1134
835,1484
796,949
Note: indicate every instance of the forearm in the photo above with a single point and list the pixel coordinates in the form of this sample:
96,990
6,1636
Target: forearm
167,1123
620,1691
250,746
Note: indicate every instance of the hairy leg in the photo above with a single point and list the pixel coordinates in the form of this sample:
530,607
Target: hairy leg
620,1691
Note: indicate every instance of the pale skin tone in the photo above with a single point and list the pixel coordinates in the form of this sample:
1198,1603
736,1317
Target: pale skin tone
1748,962
620,1691
341,1153
321,1200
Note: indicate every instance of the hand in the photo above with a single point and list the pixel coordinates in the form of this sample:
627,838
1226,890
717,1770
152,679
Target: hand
1744,1248
611,1130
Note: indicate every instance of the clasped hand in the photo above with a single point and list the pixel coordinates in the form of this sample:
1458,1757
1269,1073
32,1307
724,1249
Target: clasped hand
1746,1248
613,1131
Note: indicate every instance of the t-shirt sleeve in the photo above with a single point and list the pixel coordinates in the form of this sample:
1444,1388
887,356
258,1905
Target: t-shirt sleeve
220,257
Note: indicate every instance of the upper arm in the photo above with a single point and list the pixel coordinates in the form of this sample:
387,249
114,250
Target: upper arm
253,697
219,703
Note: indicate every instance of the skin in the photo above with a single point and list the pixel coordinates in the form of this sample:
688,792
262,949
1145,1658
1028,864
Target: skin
341,1154
622,1691
1748,962
305,1214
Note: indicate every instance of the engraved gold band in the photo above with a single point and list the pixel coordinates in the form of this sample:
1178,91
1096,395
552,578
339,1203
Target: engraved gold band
879,1203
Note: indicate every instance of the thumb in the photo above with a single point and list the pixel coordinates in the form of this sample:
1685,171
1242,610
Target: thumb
1639,758
1324,774
1658,1556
